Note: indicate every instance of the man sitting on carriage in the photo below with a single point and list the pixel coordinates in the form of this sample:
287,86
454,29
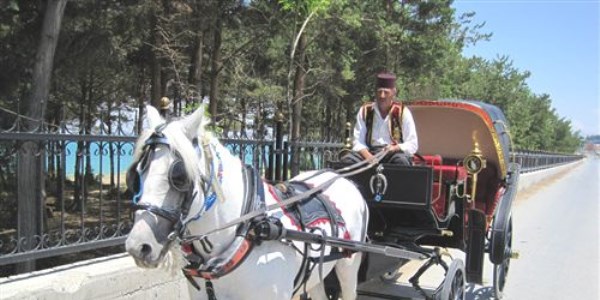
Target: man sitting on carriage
384,123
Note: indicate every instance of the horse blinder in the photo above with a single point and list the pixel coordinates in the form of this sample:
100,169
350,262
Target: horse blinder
132,179
133,175
178,178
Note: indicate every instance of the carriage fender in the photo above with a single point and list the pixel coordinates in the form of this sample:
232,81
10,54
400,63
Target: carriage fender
503,215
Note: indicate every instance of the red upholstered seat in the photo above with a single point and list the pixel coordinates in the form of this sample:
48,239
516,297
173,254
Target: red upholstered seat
442,174
430,160
449,173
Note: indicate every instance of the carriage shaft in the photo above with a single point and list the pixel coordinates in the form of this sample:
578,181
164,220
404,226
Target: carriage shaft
352,245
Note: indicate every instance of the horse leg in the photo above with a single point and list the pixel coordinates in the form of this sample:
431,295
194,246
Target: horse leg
318,292
347,273
315,286
195,294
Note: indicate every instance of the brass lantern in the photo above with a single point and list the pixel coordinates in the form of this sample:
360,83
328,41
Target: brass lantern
474,163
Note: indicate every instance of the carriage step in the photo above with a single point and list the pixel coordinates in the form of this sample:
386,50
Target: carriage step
515,254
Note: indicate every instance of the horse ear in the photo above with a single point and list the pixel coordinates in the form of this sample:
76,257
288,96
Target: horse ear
194,123
153,117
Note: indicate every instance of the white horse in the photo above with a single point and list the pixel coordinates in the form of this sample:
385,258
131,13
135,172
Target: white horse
187,185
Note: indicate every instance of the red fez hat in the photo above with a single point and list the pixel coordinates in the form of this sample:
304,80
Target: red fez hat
386,80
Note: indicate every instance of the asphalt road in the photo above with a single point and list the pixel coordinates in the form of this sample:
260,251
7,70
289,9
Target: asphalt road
556,231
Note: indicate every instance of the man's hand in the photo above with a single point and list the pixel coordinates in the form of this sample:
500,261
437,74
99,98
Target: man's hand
393,148
365,154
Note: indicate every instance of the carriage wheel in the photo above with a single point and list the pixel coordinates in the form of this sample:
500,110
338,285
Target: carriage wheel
501,269
453,287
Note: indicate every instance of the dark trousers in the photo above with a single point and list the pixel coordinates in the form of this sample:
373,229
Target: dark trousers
403,159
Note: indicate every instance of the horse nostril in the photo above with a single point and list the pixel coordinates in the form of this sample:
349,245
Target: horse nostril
146,249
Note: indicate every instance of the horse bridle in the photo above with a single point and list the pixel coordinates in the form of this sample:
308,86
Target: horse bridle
178,180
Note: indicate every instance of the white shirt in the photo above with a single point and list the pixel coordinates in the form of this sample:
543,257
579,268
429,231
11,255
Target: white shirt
381,134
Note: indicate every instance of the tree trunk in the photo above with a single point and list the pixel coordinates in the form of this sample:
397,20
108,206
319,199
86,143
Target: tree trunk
88,130
329,120
30,199
215,70
297,102
156,64
195,75
244,116
111,156
141,97
79,160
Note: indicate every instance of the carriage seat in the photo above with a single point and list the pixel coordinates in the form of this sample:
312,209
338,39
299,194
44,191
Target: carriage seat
447,173
430,160
443,176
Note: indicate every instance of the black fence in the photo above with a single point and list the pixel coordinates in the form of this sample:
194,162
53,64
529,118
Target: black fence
532,160
75,199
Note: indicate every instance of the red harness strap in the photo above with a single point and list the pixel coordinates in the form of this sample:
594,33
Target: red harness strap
222,268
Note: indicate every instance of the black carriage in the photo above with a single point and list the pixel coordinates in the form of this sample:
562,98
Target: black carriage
458,194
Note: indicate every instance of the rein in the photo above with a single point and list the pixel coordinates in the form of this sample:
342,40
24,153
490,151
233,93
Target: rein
341,173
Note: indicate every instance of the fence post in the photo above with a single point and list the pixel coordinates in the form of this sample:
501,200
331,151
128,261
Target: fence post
271,161
285,153
278,145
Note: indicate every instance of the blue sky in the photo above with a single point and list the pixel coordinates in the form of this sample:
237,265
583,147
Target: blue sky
557,41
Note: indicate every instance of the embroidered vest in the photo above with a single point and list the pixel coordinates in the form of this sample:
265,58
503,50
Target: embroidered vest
395,126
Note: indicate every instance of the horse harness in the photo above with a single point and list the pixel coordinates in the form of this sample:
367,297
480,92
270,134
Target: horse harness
248,233
395,126
305,214
242,244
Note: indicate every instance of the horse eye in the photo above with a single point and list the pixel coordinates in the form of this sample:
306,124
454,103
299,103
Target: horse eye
177,176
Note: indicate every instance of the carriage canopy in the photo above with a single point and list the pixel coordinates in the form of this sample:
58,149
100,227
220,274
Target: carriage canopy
451,127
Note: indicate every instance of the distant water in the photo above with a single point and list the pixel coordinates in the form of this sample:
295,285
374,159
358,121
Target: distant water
100,160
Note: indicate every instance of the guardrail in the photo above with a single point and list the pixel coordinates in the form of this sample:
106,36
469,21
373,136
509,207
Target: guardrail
531,160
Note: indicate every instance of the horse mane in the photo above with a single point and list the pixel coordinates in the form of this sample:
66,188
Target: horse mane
178,143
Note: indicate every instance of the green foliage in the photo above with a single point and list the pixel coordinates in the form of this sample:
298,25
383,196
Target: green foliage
305,6
110,53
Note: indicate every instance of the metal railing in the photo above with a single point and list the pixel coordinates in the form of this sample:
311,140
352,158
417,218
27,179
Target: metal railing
82,203
531,160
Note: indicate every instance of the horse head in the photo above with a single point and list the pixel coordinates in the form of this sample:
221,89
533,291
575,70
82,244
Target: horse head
167,184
